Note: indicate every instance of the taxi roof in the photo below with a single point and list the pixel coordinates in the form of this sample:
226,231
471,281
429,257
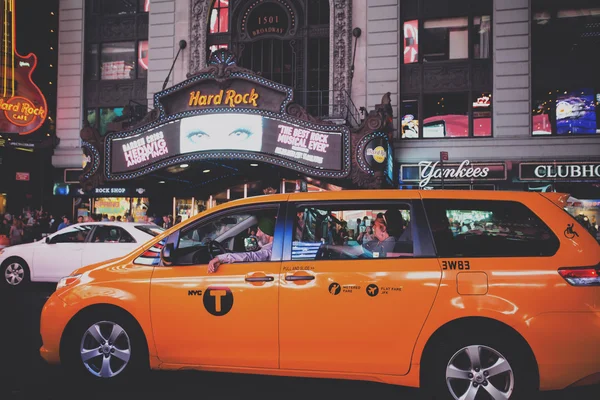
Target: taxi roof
390,194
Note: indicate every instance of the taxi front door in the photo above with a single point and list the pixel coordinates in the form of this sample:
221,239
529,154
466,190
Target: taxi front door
355,315
227,318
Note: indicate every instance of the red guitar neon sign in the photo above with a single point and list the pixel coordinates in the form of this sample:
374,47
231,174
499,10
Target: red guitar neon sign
23,107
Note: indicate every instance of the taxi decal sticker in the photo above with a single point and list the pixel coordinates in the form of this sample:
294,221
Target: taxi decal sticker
372,290
456,264
335,288
570,233
152,255
194,292
300,268
218,300
350,288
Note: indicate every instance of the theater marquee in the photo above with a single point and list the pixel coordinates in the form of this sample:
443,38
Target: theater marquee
237,115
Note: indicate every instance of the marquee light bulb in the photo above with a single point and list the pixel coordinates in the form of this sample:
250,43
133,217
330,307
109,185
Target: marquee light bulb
184,166
161,181
254,165
206,171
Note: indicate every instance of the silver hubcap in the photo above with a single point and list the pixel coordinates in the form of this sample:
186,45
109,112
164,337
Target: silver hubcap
14,274
105,349
476,369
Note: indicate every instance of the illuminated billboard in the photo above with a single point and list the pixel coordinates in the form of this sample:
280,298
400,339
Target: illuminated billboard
241,135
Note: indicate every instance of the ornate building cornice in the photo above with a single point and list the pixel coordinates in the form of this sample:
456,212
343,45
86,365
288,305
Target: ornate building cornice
199,10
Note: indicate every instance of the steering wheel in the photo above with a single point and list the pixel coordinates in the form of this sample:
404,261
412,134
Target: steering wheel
212,244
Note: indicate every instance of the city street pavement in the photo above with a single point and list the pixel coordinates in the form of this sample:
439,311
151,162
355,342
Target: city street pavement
24,375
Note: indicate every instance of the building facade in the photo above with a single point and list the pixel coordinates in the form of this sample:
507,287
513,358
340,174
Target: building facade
505,87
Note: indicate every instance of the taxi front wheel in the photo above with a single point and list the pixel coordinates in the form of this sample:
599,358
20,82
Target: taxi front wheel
475,368
107,345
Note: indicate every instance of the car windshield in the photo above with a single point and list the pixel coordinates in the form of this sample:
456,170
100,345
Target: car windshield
153,230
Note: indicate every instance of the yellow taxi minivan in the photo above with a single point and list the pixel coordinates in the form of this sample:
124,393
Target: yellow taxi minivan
467,294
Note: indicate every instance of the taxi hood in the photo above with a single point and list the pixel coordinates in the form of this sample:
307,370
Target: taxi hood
98,265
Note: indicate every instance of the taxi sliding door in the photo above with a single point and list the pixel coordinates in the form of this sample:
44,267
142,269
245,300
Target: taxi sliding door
354,315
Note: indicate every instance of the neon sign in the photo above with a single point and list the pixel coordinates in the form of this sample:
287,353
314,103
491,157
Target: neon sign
22,104
232,98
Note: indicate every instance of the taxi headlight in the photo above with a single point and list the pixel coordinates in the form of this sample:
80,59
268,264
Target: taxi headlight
67,281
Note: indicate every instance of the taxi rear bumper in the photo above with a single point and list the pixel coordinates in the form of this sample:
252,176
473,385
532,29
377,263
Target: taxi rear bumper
566,348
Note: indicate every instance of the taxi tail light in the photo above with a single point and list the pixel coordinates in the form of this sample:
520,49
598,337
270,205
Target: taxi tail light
581,276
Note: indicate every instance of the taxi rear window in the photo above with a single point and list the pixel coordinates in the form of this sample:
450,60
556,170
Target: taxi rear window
487,228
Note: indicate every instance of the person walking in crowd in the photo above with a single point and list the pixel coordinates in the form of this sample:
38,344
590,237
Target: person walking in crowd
64,224
16,232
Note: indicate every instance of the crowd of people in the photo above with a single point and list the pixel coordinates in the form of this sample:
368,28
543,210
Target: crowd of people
31,226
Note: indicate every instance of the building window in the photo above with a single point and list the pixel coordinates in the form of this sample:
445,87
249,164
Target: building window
410,118
481,37
566,85
119,7
142,63
107,116
92,62
292,48
219,17
216,47
435,104
411,41
117,61
90,115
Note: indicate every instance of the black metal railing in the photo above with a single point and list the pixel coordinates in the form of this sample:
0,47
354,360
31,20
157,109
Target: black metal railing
329,104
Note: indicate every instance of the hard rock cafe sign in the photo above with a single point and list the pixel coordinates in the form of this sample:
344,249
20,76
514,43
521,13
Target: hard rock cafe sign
23,107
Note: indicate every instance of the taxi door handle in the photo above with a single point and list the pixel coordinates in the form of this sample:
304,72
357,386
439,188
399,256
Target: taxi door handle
255,277
259,279
299,277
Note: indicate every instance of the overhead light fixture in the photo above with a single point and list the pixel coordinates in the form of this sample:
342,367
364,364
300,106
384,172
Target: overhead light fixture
206,171
161,181
254,165
184,165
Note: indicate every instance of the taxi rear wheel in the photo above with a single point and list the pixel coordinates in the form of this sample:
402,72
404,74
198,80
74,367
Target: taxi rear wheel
479,367
106,345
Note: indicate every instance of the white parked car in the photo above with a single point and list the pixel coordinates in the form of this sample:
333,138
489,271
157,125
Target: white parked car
73,247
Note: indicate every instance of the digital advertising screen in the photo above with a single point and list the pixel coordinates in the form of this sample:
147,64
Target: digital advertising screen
228,132
576,112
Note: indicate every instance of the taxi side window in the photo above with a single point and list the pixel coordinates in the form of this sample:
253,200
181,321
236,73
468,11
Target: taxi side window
247,236
333,233
488,228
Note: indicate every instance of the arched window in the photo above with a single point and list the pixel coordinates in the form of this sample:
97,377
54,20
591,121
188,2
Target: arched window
218,25
286,41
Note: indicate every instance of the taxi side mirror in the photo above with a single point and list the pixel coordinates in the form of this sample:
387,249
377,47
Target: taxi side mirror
166,254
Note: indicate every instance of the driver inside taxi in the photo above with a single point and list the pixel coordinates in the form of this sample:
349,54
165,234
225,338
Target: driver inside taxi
264,234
